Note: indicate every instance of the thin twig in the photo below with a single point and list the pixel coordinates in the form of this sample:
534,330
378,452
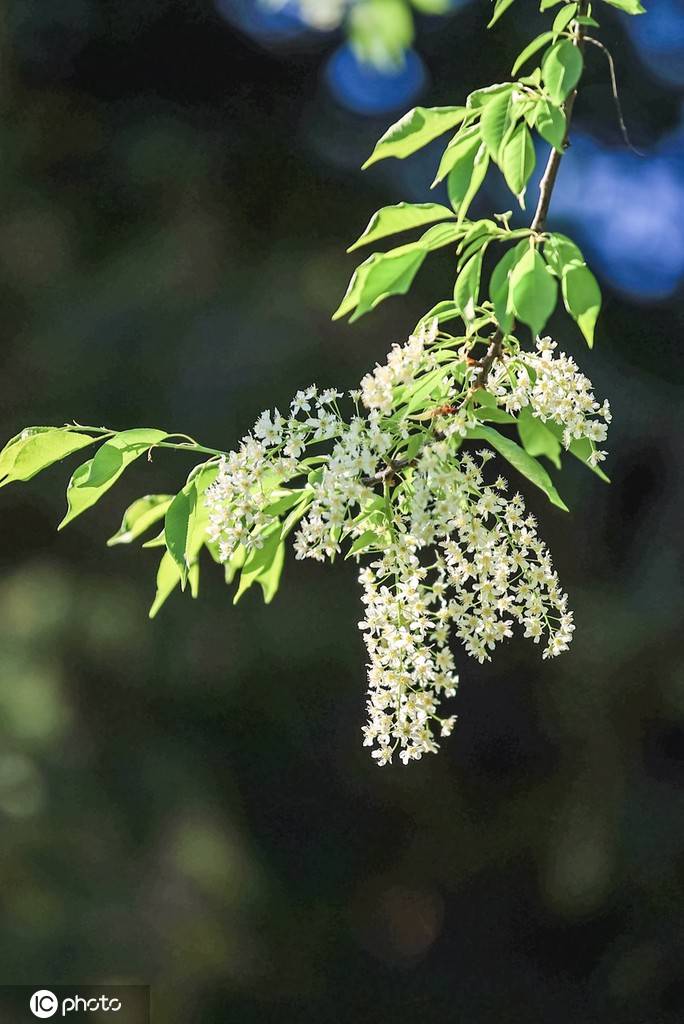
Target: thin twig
616,95
551,173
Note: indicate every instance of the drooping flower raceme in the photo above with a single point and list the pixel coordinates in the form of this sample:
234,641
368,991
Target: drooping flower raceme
449,553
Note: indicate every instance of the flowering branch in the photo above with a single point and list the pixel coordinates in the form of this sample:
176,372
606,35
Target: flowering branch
448,547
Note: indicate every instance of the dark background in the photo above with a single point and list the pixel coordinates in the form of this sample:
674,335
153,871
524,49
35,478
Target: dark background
187,802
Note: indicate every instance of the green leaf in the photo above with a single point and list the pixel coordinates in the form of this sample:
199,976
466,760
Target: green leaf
482,233
520,460
461,178
518,161
368,539
530,50
186,520
462,149
481,97
533,291
536,438
264,565
467,288
561,70
499,286
628,6
296,514
36,448
382,274
561,253
461,201
283,504
156,542
424,387
443,312
139,516
415,130
402,217
563,19
392,273
582,297
551,124
494,415
95,477
496,120
184,534
177,527
168,578
500,7
235,563
438,236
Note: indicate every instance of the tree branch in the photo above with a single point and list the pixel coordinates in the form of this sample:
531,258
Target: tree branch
551,173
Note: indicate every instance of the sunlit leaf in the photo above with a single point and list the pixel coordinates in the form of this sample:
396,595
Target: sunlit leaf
561,70
551,124
499,286
582,297
467,288
500,7
392,273
628,6
496,120
168,578
518,161
461,150
36,448
533,291
95,477
392,219
561,253
415,130
139,517
530,50
264,565
536,438
186,520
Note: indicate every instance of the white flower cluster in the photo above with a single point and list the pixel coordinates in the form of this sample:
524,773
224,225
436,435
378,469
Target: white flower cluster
449,551
555,390
248,480
411,667
486,570
403,363
340,490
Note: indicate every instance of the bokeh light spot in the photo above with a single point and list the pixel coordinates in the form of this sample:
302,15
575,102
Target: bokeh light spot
365,89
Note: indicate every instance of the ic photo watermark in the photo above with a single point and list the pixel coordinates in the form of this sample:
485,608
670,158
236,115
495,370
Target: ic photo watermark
120,1004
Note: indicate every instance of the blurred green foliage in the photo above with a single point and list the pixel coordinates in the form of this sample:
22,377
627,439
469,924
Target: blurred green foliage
187,803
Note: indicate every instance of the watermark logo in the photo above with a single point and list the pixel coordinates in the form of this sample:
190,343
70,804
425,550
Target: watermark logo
44,1003
118,1004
